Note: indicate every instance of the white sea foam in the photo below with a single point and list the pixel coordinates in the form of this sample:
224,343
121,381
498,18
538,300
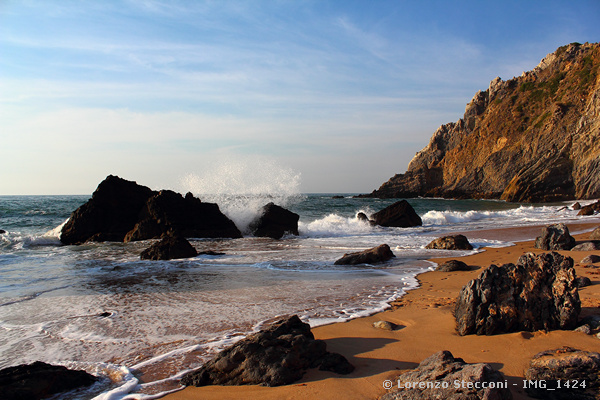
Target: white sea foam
242,186
334,225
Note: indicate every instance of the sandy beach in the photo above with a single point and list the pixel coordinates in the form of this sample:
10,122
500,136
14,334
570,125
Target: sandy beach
425,326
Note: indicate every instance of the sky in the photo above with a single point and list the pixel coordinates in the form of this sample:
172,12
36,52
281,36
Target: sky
326,96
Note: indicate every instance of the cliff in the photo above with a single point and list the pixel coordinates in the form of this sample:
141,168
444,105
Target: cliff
533,138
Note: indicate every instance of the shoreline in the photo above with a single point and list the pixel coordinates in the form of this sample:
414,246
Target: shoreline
426,325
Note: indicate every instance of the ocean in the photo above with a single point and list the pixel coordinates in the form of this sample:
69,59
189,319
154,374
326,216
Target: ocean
142,324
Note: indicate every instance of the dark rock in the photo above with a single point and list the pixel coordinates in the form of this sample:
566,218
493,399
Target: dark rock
2,231
595,235
566,365
377,254
590,209
453,265
539,293
111,212
453,242
361,216
168,211
210,253
40,380
592,320
583,281
587,246
555,237
278,355
400,214
337,197
576,206
591,259
444,369
274,222
168,248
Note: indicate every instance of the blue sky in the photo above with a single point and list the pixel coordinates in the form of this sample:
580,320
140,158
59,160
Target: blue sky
338,95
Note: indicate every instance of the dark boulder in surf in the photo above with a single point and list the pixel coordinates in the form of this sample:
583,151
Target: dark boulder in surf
590,209
122,210
278,355
538,293
374,255
2,231
169,247
40,380
274,222
400,214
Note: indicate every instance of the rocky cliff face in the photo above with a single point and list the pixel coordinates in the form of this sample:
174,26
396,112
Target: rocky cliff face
533,138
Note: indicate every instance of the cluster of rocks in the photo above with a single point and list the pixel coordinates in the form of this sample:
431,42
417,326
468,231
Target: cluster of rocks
278,355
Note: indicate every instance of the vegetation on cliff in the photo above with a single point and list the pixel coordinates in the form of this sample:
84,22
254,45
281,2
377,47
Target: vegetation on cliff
533,138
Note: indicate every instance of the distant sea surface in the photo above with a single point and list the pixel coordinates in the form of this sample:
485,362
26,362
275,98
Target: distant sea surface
142,324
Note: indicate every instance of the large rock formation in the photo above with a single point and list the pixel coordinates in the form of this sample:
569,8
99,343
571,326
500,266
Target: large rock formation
437,376
278,355
400,214
274,222
531,138
540,292
555,237
122,210
40,380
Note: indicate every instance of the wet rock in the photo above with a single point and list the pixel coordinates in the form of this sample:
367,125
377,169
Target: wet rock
453,265
583,281
278,355
363,217
590,209
170,212
591,259
587,246
385,325
453,242
442,367
374,255
169,248
555,237
576,206
40,380
400,214
566,365
2,231
274,222
538,293
210,253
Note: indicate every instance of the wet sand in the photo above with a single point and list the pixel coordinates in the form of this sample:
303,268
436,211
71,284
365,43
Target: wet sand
425,326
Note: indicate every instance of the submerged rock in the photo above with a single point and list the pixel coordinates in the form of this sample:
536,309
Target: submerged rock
40,380
274,222
539,293
400,214
278,355
453,242
374,255
168,248
567,365
555,237
446,370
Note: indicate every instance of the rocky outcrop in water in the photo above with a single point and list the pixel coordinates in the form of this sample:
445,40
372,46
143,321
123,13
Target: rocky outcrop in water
400,214
555,237
122,210
40,380
278,355
538,293
274,222
475,381
570,366
169,247
532,138
590,209
374,255
452,242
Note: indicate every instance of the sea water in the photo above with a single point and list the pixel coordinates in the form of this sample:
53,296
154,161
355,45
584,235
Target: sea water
141,325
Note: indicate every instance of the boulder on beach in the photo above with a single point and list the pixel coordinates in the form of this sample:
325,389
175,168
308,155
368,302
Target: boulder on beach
40,380
587,246
565,365
169,247
595,235
555,237
453,265
452,242
538,293
170,212
400,214
374,255
278,355
591,259
439,373
274,222
122,210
